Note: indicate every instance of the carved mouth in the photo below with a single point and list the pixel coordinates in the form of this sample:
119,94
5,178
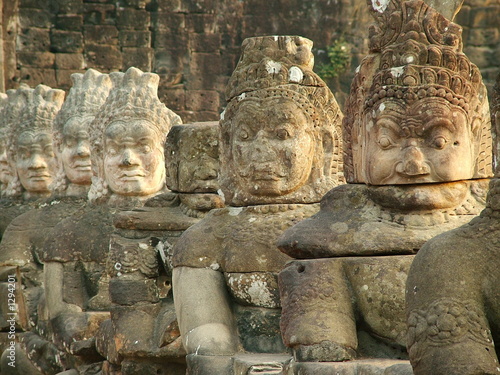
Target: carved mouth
39,177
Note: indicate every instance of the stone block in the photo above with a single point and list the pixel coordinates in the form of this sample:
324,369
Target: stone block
204,365
204,69
485,16
67,61
171,41
63,77
66,41
204,42
103,58
36,4
200,6
36,59
33,77
357,367
128,18
259,329
141,58
201,23
463,16
163,21
100,34
129,292
135,38
29,17
173,97
483,57
99,14
69,22
170,6
33,40
202,100
191,116
68,6
481,37
245,364
134,366
170,64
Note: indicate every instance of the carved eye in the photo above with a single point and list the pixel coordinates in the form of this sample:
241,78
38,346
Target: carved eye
112,151
385,142
145,149
243,135
282,134
49,151
439,142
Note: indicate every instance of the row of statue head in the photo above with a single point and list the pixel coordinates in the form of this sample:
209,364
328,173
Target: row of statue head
417,113
106,140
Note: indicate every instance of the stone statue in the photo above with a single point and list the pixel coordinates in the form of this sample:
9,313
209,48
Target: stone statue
453,301
417,155
30,143
279,153
138,268
127,136
25,236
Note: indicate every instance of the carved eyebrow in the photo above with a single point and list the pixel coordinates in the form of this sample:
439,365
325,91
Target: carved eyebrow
439,122
388,123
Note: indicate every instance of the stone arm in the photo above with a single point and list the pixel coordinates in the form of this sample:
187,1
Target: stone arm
54,284
204,312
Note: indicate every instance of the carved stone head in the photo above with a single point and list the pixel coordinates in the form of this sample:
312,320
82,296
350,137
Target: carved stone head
418,110
30,140
127,138
280,131
192,157
71,129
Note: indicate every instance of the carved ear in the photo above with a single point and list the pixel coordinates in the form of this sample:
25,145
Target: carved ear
329,144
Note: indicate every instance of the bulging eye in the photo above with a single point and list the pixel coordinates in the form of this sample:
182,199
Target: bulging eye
283,134
145,149
243,135
439,142
385,142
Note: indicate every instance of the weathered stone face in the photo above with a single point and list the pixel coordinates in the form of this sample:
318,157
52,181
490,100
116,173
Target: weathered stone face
133,158
192,157
75,151
417,82
35,163
272,147
422,142
280,132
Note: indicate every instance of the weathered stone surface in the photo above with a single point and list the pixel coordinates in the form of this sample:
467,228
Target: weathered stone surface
453,306
369,366
66,41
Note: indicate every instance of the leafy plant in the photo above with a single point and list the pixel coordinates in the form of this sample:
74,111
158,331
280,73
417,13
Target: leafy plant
339,56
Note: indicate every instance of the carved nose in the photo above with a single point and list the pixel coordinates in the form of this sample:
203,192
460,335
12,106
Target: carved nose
413,163
128,158
37,162
83,149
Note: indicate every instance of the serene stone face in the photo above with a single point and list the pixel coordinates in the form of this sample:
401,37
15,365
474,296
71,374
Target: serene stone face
35,162
5,171
133,158
272,147
75,151
422,142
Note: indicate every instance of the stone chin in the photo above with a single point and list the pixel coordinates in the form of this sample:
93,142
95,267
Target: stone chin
420,197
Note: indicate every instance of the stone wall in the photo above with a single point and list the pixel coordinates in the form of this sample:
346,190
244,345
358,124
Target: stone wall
194,44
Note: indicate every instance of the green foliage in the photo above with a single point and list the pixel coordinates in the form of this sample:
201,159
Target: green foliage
339,55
